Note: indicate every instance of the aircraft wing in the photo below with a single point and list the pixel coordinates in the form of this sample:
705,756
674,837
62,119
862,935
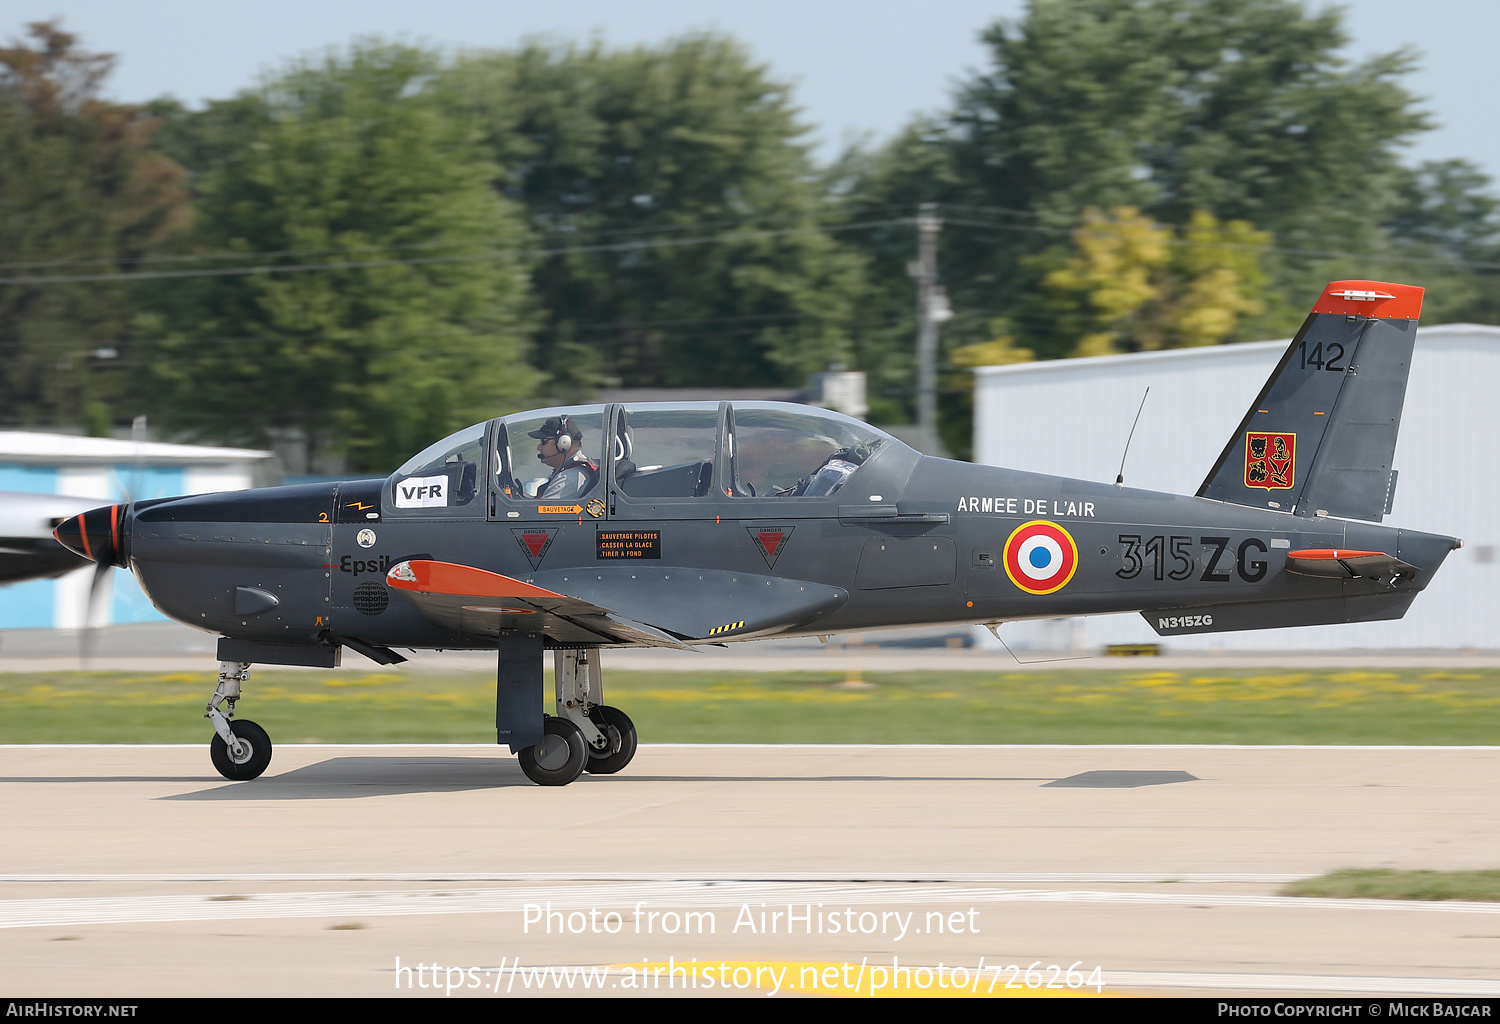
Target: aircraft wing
471,600
659,607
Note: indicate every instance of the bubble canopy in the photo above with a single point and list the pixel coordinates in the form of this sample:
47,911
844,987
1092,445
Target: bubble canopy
642,451
780,450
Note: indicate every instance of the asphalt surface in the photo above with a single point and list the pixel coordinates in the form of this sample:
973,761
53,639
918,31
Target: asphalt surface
136,871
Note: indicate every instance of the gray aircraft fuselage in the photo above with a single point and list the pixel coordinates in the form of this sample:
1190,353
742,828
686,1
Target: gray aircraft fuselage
930,550
715,542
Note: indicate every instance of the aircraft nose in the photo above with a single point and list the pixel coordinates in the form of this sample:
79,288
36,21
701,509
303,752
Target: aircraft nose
94,534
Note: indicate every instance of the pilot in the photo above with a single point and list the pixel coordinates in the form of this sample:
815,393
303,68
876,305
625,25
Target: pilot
561,450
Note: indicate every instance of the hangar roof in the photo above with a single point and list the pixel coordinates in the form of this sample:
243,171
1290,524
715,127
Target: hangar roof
27,446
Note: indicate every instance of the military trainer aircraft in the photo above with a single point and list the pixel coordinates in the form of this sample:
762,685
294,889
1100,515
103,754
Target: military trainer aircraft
678,524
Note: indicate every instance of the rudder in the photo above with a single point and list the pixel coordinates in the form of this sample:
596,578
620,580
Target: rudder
1321,435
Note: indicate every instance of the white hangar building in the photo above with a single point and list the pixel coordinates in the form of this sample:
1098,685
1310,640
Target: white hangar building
1070,417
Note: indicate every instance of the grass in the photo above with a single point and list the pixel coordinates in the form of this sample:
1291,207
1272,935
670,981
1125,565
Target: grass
1405,706
1383,884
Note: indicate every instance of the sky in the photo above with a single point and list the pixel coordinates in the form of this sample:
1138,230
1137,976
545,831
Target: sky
859,68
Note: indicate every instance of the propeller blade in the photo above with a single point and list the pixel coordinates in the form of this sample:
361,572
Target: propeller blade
96,585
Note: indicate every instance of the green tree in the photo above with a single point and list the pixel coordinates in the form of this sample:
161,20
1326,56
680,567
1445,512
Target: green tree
81,196
1133,285
885,186
673,191
1241,109
200,140
413,319
1446,221
1446,205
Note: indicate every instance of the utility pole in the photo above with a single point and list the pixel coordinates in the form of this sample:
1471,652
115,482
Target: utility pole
932,310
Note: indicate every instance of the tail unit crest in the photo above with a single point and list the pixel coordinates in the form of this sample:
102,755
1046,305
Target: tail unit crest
1320,437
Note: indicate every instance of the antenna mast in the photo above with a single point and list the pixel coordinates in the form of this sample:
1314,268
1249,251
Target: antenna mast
1120,477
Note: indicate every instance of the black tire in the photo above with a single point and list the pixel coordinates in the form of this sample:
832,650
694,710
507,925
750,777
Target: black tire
617,725
255,760
559,758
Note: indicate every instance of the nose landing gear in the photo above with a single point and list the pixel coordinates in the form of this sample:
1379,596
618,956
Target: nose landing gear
239,750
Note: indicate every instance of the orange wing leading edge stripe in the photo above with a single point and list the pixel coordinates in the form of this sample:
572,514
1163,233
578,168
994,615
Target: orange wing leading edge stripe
461,580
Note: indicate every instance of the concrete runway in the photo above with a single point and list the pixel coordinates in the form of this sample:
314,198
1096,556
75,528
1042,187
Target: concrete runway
133,871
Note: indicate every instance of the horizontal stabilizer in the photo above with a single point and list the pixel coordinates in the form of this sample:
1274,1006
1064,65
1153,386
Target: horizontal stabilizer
1339,563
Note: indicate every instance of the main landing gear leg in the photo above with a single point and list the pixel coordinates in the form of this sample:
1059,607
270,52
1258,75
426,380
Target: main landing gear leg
551,751
580,698
584,735
239,750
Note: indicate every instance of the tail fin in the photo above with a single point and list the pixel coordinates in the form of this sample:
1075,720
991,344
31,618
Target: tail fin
1320,437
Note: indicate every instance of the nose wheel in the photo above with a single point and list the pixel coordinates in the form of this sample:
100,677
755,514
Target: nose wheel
247,758
239,750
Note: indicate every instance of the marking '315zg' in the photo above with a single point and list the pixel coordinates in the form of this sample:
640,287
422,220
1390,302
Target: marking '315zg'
1175,557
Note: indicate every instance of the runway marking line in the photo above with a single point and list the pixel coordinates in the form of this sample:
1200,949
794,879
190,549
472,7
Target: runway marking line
52,912
715,877
493,749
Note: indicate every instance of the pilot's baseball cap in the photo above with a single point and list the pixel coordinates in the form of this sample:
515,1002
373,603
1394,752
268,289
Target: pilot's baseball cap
555,426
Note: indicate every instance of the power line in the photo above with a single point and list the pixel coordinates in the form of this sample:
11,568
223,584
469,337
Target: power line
80,350
84,347
1072,224
820,225
299,268
1240,246
403,247
1005,210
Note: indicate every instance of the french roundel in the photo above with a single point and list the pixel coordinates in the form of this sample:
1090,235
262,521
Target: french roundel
1040,557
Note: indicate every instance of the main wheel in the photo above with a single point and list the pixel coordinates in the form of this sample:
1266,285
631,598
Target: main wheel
254,755
559,758
617,725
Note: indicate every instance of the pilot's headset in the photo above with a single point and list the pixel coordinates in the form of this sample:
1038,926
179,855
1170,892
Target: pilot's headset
567,437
